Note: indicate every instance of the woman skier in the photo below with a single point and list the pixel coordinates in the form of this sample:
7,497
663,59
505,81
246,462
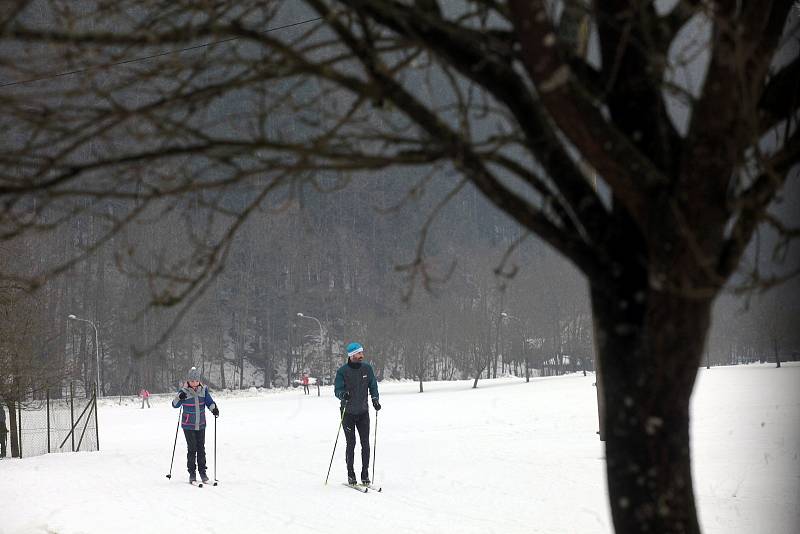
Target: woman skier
194,397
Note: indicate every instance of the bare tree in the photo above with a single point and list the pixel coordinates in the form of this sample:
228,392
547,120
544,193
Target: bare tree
588,153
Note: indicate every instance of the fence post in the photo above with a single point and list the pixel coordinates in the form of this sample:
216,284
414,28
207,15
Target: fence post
93,405
72,412
96,427
47,391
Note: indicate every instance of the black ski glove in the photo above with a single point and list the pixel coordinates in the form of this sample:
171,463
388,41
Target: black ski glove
346,396
215,411
376,404
182,395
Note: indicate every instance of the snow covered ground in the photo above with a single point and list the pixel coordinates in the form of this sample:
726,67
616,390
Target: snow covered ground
507,457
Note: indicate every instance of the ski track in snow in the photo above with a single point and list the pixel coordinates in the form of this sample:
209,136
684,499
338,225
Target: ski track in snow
507,457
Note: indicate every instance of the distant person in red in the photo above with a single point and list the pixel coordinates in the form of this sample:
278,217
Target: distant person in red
145,395
305,384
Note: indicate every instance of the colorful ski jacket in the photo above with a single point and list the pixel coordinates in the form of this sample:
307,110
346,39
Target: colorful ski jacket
194,406
359,380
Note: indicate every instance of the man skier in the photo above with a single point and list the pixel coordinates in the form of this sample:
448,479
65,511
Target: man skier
194,397
354,380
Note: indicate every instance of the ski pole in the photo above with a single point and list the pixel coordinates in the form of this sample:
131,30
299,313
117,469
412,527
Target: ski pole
175,443
375,447
215,450
344,409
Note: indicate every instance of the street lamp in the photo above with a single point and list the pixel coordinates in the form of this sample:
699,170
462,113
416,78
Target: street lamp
96,349
505,315
301,316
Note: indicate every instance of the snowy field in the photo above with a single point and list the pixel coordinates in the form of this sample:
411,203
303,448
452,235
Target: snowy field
508,457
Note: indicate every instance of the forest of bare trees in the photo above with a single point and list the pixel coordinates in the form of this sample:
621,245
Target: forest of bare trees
191,176
334,263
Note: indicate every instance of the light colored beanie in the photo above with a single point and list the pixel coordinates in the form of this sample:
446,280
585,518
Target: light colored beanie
194,374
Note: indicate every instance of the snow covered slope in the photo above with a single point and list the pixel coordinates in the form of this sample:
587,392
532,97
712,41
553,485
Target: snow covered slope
508,457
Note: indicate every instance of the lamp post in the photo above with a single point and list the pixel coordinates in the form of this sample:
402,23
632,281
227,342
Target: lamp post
96,349
505,315
301,316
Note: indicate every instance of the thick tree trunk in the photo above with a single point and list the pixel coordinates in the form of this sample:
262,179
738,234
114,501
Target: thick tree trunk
650,346
13,426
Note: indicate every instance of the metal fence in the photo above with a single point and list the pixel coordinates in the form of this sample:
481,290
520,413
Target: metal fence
67,424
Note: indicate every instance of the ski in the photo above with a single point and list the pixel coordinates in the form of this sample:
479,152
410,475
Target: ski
196,483
356,487
370,486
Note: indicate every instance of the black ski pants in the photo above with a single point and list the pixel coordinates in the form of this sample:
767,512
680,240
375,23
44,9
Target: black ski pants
350,424
195,447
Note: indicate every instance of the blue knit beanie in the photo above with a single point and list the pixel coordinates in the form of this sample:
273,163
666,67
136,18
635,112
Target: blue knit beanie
353,349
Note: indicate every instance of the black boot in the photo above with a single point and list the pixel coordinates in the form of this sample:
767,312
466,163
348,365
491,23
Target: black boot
365,478
351,479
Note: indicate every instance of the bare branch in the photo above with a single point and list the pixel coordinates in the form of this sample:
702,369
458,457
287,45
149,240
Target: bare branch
781,97
487,63
606,149
752,204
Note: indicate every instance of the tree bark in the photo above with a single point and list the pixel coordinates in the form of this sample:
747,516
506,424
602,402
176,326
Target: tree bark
650,345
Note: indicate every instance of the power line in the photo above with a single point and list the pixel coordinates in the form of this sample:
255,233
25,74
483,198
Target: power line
144,58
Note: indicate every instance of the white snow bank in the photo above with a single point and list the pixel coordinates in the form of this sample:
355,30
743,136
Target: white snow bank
508,457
